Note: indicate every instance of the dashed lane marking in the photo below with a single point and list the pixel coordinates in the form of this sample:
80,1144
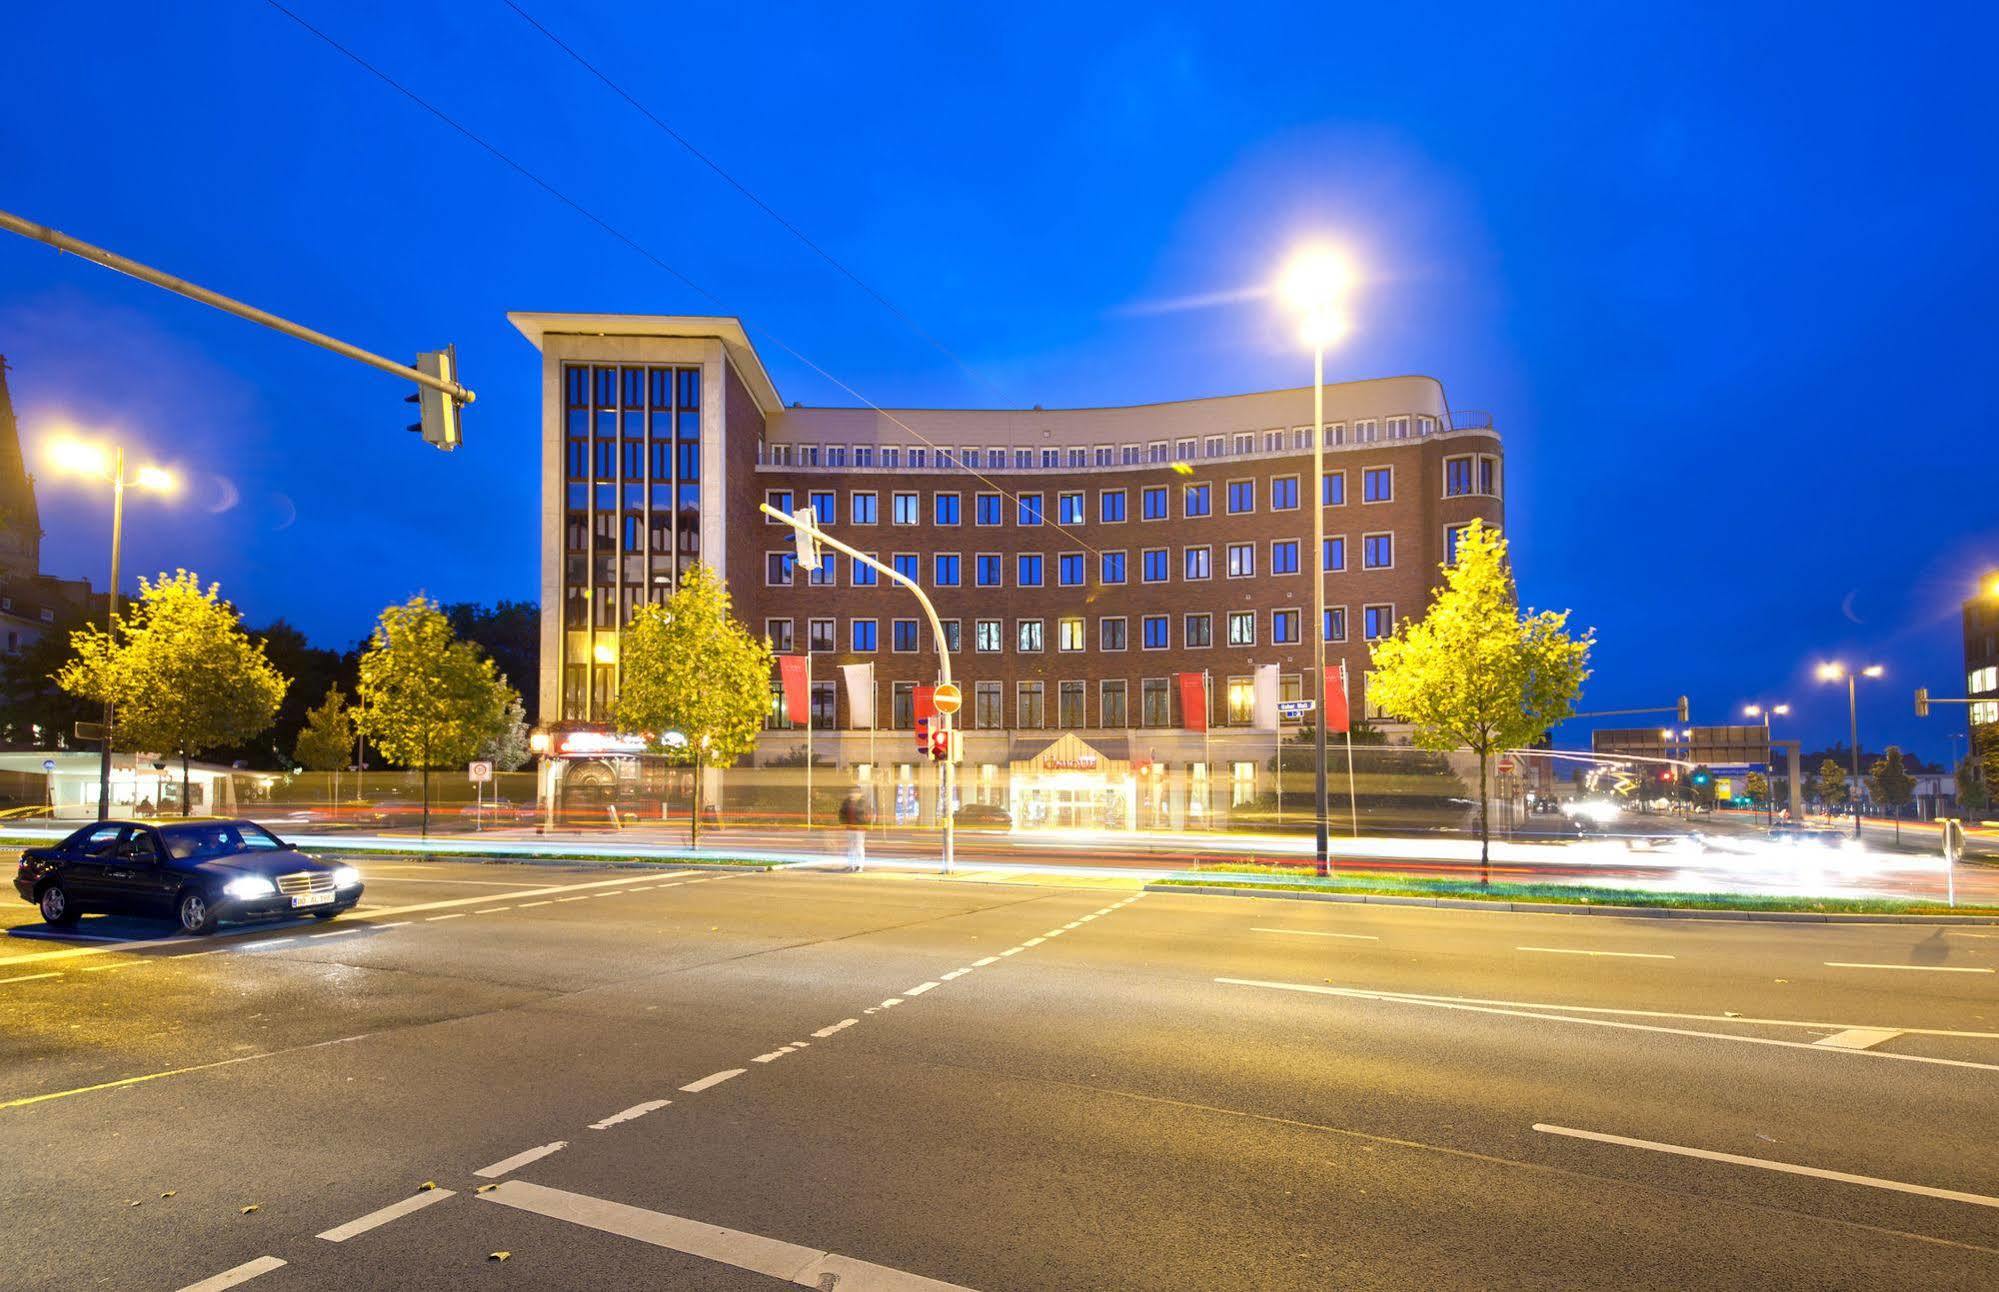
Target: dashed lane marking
30,977
394,1211
519,1160
456,915
840,1026
1858,1038
1031,942
493,910
919,989
333,933
128,964
586,897
1013,951
1577,951
983,961
1847,964
229,1278
630,1114
1316,933
712,1079
525,905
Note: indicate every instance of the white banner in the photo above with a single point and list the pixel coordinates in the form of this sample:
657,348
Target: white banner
1266,698
860,694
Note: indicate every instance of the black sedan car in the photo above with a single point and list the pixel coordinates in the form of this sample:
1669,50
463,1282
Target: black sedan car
197,872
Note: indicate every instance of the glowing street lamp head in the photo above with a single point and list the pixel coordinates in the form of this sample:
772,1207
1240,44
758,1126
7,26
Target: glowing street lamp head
1872,670
157,479
1992,585
1323,329
1780,709
79,457
1831,671
1317,281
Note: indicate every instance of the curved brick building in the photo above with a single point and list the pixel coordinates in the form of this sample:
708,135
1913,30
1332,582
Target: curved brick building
1080,558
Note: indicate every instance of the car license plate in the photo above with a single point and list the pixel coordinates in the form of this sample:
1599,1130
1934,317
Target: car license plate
312,899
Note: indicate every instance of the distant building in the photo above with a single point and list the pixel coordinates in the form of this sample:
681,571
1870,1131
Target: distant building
1981,650
30,601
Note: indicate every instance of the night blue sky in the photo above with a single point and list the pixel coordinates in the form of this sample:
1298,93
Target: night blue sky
1724,278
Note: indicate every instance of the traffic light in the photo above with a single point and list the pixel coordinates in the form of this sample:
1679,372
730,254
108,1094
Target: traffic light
1922,702
1683,708
808,545
1702,776
923,745
437,411
940,746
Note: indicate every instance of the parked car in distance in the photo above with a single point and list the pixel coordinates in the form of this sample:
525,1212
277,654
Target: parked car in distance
198,872
988,816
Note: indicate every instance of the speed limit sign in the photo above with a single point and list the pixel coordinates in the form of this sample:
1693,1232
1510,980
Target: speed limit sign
479,771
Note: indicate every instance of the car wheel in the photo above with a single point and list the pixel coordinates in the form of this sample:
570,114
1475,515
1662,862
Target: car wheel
55,906
196,915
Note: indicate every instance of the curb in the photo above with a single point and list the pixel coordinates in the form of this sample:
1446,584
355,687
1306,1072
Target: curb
1553,908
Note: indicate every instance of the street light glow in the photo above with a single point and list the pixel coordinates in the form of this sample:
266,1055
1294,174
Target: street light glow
1872,670
79,457
1831,671
1316,281
158,479
1323,329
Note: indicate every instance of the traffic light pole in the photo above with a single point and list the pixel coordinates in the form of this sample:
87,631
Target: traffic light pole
194,292
950,776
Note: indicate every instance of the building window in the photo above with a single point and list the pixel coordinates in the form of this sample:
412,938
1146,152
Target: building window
1333,489
1273,441
1283,627
987,706
778,633
1453,534
1155,451
945,565
1242,628
903,636
954,634
1110,506
1242,497
1335,552
988,568
1377,484
1110,567
1377,551
1023,459
779,499
1183,450
1156,634
1284,493
1197,562
1027,570
777,569
1129,455
865,575
1195,500
1284,556
1106,456
826,573
864,507
891,457
1051,458
1242,560
1029,509
1069,569
1488,476
989,636
1364,431
908,565
1241,700
1152,503
825,508
987,509
1029,708
1111,703
1198,631
865,635
1336,623
1155,702
864,455
1028,636
918,457
1069,634
1457,477
907,509
902,699
946,508
819,635
1398,428
1377,622
1111,633
1069,507
1152,567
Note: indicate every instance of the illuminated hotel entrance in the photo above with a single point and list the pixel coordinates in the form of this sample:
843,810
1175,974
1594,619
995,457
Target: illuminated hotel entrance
1070,784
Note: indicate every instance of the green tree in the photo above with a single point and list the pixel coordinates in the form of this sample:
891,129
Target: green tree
695,681
510,634
180,673
1831,785
1972,796
1475,672
508,747
428,700
1892,786
326,741
1757,786
1700,787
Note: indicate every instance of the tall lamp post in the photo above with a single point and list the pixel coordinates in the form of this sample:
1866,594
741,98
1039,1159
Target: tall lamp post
96,462
1766,711
1833,671
1315,285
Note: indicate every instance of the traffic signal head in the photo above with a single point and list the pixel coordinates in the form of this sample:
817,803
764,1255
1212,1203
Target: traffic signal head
438,412
940,746
1702,778
923,734
1683,708
1922,702
808,546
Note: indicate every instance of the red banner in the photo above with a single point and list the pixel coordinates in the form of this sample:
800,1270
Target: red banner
1335,703
924,700
791,671
1193,700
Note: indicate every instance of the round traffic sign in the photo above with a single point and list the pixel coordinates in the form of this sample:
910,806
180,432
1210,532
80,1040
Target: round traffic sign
948,698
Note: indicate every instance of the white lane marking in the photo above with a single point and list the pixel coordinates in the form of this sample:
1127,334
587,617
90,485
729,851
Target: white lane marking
982,963
1434,1002
1575,951
1054,933
128,964
840,1026
1315,933
259,946
394,1211
456,915
890,1003
375,876
30,977
1013,951
1848,964
333,933
1858,1038
1788,1168
773,1257
586,897
919,989
493,910
229,1278
772,1057
1032,942
520,1159
1073,924
712,1079
630,1114
526,905
955,973
397,925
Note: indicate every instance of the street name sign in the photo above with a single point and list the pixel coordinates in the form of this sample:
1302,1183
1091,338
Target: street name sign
1296,708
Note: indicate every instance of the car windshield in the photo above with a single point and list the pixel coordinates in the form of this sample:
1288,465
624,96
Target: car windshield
217,839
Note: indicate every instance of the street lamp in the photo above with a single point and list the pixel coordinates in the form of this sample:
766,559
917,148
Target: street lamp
1315,285
1833,671
1766,712
91,461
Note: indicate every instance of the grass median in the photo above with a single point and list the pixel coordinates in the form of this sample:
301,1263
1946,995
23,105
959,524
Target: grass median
1385,884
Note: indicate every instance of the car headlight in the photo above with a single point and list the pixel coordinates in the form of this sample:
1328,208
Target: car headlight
250,886
345,877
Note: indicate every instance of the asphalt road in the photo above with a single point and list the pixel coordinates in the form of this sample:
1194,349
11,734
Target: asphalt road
706,1080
